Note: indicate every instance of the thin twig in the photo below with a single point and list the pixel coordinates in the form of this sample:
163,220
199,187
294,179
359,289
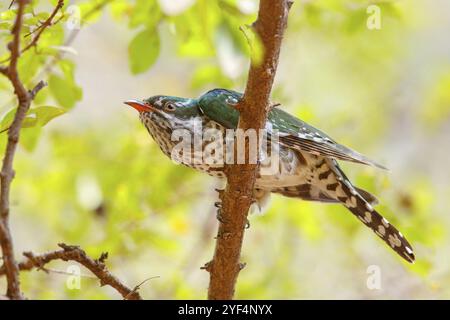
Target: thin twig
44,25
75,253
237,197
7,173
48,270
138,286
47,23
70,39
24,98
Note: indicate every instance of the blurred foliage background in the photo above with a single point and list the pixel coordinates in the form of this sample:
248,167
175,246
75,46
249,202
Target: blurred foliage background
92,176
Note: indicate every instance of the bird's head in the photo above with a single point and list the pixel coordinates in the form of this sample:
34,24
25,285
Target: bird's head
165,111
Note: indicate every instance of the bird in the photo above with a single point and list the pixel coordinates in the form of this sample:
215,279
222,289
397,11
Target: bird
307,166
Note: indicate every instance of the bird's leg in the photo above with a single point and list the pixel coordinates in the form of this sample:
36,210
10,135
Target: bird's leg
219,216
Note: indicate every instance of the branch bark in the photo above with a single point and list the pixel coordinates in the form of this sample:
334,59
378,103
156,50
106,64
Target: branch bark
75,253
238,195
7,172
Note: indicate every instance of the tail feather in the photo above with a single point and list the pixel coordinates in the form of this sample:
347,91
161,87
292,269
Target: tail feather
358,202
375,221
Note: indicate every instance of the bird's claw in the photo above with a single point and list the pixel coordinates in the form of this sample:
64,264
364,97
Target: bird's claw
220,217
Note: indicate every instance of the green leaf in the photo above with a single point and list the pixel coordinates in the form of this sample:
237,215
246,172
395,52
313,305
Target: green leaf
8,15
143,50
39,116
28,65
145,13
29,121
119,9
256,45
46,113
63,87
88,11
65,91
5,25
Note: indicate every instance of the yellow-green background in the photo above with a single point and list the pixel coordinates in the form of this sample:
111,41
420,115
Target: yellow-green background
94,177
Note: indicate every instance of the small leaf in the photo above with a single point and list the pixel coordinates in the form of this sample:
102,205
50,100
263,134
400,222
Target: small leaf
63,87
119,9
46,113
7,15
65,91
143,50
29,121
255,43
5,25
39,116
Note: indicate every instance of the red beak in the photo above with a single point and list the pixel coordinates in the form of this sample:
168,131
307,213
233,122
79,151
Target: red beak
139,105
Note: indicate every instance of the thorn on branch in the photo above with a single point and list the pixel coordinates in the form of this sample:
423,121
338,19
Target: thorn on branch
103,257
219,191
289,4
207,266
67,247
276,104
226,235
220,217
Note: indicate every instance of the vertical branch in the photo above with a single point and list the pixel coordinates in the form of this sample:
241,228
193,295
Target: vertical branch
254,107
7,172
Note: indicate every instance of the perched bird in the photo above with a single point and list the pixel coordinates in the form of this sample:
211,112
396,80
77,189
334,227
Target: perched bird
307,157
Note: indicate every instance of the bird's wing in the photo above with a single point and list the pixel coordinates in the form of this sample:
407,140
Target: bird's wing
218,105
296,134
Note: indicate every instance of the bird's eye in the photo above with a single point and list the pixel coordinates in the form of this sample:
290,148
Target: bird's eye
170,107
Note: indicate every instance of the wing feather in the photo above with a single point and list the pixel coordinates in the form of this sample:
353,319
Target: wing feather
327,148
218,105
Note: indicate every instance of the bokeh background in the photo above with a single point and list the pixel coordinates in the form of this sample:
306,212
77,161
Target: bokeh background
93,176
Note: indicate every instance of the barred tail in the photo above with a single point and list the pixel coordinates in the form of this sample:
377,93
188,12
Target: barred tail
371,218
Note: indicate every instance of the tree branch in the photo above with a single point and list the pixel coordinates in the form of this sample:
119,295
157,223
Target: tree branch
7,172
47,23
75,253
39,30
254,107
69,40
